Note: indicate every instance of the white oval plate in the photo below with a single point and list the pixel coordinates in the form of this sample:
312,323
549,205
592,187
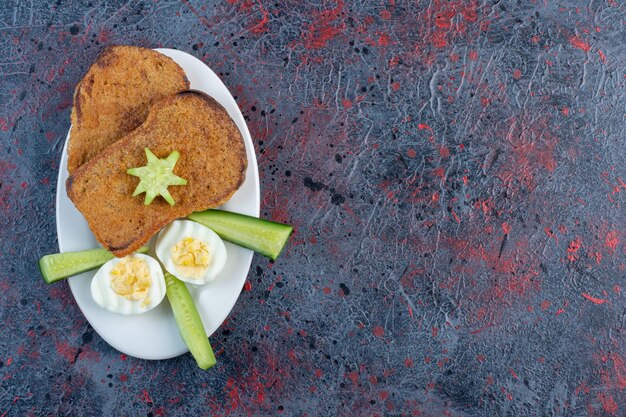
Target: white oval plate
153,335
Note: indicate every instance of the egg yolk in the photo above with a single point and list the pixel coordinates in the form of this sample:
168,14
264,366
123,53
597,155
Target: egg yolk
130,278
191,257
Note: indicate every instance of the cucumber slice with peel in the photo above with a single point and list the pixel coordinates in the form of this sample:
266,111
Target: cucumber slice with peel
188,321
263,236
58,266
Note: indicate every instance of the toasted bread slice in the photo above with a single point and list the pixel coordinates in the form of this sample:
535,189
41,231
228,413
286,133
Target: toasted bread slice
212,160
115,95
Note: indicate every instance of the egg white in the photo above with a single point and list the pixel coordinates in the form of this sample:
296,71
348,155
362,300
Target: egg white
181,229
105,297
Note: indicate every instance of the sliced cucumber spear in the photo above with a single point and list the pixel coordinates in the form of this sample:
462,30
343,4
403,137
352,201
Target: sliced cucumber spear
188,321
263,236
59,266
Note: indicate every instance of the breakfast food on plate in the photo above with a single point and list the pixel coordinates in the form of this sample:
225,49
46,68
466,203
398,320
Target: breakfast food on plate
191,252
212,160
130,285
137,129
115,95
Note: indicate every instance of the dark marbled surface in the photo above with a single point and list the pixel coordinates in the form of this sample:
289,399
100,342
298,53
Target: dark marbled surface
455,172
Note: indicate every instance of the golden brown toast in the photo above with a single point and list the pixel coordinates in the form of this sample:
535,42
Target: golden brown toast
115,95
212,160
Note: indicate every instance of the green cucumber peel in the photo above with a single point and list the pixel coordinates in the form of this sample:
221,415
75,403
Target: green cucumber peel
189,322
263,236
58,266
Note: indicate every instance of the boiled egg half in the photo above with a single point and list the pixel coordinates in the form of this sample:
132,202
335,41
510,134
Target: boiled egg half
191,252
133,284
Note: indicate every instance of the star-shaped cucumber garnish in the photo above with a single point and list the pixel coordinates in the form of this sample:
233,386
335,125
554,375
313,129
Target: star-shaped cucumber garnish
156,177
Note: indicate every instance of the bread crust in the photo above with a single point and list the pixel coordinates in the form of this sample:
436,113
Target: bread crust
114,97
212,159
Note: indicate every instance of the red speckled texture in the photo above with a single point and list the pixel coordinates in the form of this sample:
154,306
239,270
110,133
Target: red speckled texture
456,175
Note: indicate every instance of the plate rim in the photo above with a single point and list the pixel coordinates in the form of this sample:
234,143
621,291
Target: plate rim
247,137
